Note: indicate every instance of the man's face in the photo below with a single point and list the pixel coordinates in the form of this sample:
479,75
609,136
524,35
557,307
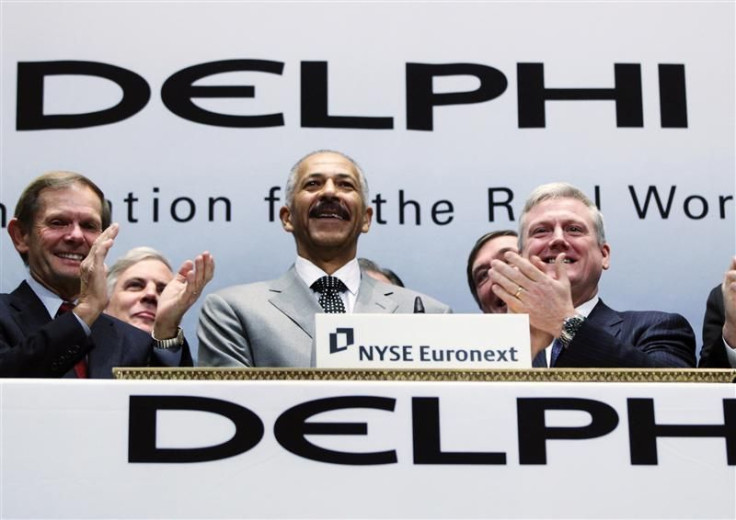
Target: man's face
565,225
491,250
66,224
135,296
328,212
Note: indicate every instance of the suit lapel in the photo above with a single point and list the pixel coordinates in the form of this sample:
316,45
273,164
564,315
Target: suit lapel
372,299
292,297
606,318
28,311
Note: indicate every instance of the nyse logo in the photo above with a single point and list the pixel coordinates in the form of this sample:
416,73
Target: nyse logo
341,339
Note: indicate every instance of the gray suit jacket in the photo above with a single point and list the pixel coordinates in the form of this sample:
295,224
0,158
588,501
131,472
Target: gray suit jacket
271,324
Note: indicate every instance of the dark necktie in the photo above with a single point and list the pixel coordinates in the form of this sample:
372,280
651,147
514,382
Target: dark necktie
329,289
81,367
540,360
556,350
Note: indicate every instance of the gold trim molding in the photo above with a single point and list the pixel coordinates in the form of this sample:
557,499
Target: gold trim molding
570,375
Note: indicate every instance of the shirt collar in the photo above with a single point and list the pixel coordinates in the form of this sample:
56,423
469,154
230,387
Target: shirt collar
50,300
349,274
587,307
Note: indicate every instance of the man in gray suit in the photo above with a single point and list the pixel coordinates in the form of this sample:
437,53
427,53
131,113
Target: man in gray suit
271,324
555,280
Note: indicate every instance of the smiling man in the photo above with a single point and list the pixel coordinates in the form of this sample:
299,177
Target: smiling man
52,324
489,247
271,324
555,280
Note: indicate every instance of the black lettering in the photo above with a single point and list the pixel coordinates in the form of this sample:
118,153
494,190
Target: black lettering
644,431
272,199
215,200
178,91
142,429
377,206
129,200
315,111
402,206
427,445
506,203
291,429
534,433
439,208
722,204
626,93
3,215
703,207
176,204
155,205
672,96
30,92
664,211
421,98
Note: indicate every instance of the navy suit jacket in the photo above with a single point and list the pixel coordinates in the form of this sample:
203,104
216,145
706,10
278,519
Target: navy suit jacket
32,344
713,353
631,339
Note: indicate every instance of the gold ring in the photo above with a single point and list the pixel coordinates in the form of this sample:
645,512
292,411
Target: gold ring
518,292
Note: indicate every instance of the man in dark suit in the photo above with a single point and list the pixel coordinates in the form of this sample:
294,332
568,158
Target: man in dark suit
719,324
272,323
555,281
52,324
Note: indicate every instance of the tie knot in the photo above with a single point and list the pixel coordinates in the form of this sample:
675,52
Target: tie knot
65,307
329,283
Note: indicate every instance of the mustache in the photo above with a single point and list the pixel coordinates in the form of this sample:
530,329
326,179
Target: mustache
329,207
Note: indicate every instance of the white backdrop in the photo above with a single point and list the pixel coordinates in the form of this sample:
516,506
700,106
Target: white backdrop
668,263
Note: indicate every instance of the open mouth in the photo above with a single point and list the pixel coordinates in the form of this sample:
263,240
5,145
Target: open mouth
553,259
76,257
329,209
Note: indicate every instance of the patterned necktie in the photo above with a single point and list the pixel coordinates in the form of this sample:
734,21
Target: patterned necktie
556,349
329,289
81,367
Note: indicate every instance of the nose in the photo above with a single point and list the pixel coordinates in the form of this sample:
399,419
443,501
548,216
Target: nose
558,238
74,233
329,189
150,294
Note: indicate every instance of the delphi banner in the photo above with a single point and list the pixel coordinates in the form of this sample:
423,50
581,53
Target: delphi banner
189,115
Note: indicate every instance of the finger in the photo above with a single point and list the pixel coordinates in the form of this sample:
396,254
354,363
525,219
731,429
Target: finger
524,266
560,269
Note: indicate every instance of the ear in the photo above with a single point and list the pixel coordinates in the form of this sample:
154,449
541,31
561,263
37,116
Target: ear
367,216
285,216
19,238
606,253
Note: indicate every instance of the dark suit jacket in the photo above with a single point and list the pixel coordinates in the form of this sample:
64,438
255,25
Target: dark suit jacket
631,339
32,344
713,353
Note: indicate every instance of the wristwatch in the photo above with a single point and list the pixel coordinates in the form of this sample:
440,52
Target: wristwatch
176,341
570,327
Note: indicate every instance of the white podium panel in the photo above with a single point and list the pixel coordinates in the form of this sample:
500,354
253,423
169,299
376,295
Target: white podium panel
356,449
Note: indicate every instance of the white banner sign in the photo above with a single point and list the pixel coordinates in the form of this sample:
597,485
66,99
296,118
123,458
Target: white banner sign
189,115
411,341
337,449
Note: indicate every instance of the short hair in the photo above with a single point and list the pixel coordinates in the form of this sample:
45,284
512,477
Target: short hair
129,259
370,265
562,190
27,207
474,252
294,172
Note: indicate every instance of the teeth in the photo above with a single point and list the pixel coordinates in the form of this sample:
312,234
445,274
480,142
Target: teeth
564,261
71,256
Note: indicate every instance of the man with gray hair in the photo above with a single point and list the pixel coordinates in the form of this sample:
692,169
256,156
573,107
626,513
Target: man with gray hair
135,283
554,279
271,324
